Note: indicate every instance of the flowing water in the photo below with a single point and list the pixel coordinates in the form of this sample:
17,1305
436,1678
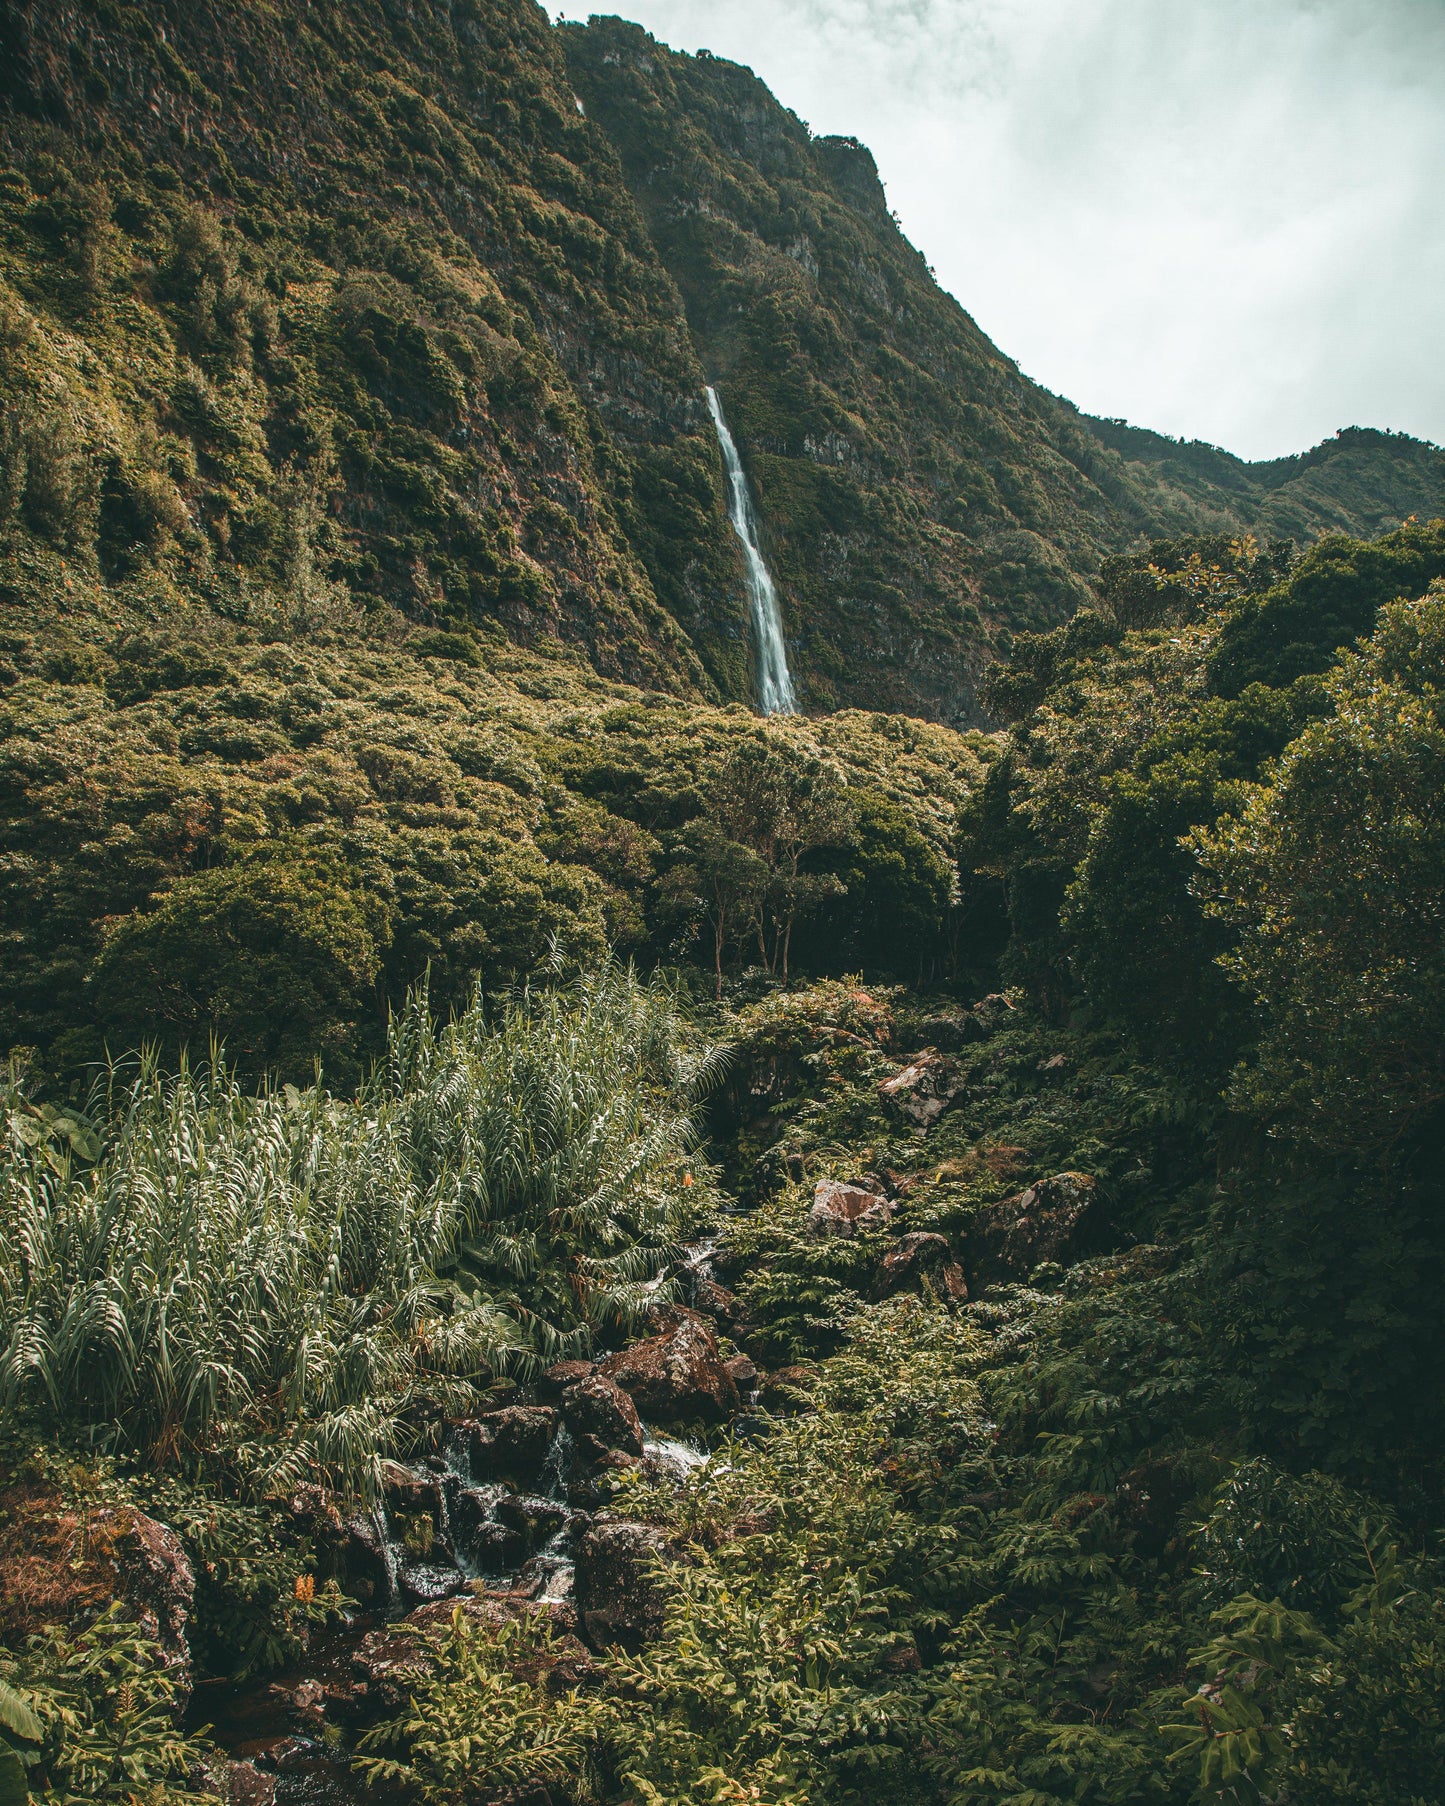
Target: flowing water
775,682
483,1534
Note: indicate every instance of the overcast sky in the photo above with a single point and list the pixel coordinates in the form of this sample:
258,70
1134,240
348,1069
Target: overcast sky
1224,219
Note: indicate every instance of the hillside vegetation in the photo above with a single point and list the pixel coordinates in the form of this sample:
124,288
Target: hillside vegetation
1099,1460
403,316
566,1244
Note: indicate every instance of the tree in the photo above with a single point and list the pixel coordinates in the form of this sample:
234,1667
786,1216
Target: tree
1332,872
720,877
272,956
784,802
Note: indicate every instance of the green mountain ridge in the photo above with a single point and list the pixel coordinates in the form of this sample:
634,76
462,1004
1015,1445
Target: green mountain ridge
411,307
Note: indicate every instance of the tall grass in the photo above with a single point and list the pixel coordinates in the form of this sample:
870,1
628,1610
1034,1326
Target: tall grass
283,1281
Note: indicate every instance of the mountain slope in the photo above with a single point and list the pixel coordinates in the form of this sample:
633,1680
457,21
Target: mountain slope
342,292
910,477
356,314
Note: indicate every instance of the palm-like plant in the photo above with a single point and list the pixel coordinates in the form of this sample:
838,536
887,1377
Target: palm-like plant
567,1125
279,1278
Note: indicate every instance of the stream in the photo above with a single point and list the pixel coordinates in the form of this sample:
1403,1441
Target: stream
482,1517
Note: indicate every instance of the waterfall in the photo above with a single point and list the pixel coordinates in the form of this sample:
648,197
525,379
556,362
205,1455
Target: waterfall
775,684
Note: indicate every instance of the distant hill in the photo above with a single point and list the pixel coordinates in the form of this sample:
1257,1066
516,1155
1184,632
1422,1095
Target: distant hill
403,313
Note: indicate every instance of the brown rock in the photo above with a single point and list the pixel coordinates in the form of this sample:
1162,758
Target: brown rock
617,1585
744,1372
678,1376
716,1301
153,1576
512,1443
924,1089
562,1374
406,1490
845,1207
920,1262
235,1783
597,1407
1033,1226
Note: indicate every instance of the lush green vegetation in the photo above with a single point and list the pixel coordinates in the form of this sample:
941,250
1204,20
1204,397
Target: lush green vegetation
1153,1517
920,497
318,316
409,942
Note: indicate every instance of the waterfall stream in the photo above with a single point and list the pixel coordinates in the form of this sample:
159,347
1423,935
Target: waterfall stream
775,683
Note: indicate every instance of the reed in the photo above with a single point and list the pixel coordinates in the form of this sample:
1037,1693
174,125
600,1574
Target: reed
286,1280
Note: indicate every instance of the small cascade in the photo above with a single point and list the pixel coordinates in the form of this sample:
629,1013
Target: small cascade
775,682
671,1456
552,1482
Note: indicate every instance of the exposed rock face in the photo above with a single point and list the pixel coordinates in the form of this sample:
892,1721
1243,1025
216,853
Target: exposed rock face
154,1577
597,1406
918,1262
1033,1226
617,1588
678,1376
844,1207
924,1089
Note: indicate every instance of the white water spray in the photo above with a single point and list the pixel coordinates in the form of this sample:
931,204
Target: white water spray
775,683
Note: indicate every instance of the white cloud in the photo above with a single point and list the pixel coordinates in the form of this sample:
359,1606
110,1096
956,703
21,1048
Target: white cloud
1219,218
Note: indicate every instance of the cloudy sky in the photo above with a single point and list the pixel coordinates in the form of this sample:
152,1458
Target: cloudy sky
1224,219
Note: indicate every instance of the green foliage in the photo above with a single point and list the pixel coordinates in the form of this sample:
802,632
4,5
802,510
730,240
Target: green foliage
100,1709
564,1125
475,1725
1330,599
1332,868
919,496
271,957
260,1279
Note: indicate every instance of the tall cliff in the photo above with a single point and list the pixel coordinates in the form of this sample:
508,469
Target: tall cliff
334,293
400,312
919,492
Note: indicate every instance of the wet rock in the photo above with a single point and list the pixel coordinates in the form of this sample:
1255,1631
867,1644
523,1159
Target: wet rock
596,1407
235,1783
921,1262
153,1576
534,1519
562,1375
426,1581
617,1587
406,1490
743,1372
479,1537
846,1207
364,1559
678,1376
788,1390
713,1300
924,1089
1032,1227
512,1443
